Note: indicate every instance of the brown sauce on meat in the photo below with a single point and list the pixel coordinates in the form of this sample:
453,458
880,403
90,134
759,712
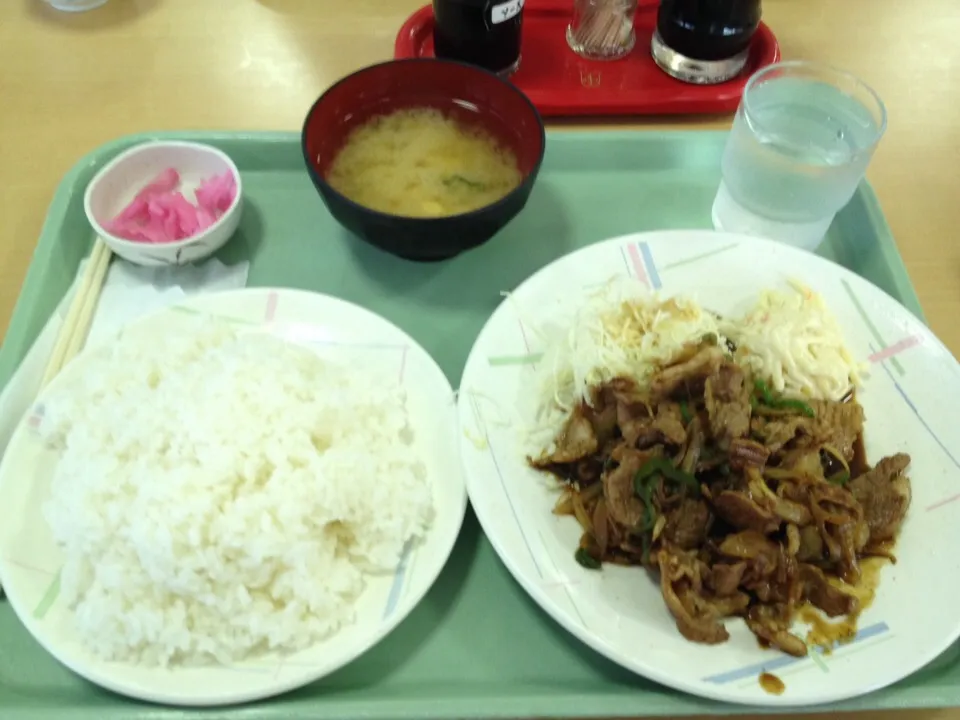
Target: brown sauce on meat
866,589
827,633
859,464
673,476
771,684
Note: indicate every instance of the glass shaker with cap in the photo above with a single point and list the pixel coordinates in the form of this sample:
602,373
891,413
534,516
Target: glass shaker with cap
704,41
480,32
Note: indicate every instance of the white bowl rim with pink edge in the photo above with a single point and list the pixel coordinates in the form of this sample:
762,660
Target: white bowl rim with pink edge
119,181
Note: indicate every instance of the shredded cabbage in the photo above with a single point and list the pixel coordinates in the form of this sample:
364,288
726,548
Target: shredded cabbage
621,330
789,339
793,341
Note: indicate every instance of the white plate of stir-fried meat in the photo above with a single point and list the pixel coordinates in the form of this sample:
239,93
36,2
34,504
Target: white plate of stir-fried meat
724,464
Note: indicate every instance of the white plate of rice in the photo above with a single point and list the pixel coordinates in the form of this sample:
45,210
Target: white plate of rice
232,499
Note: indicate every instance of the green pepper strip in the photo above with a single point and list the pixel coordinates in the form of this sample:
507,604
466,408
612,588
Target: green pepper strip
761,387
645,544
685,413
643,487
662,466
586,559
841,478
767,398
643,483
649,517
798,405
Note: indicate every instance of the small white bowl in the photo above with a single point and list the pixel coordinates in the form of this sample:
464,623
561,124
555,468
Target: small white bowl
117,184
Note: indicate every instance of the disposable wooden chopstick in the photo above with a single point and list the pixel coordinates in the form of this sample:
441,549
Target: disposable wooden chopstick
76,325
73,332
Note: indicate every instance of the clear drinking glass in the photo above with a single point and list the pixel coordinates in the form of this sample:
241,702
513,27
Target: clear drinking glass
800,144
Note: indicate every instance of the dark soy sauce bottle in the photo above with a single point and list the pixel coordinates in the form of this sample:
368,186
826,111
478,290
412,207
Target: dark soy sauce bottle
704,41
480,32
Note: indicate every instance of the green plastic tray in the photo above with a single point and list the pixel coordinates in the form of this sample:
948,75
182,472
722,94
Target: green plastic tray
476,646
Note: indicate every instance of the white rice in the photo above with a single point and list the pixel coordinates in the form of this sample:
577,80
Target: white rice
220,495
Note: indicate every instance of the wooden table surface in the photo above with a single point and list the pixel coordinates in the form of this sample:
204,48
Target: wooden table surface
71,82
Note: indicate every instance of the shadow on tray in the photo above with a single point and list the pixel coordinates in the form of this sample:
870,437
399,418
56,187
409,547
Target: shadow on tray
537,236
246,242
394,651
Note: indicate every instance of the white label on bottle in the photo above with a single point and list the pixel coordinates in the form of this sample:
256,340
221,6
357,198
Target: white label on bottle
502,12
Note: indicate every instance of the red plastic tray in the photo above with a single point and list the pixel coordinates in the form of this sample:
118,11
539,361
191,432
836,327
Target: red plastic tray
560,83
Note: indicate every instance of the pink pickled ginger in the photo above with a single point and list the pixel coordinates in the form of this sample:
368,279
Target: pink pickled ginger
161,214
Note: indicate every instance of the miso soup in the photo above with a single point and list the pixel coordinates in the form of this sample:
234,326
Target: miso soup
419,162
